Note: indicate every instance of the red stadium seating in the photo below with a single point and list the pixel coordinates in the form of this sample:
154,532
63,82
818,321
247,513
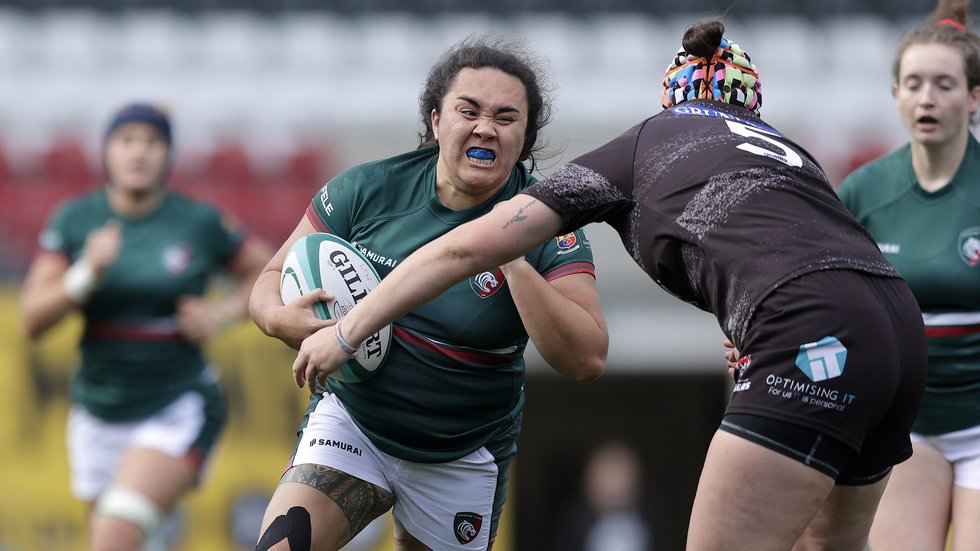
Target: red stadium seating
228,165
268,201
66,165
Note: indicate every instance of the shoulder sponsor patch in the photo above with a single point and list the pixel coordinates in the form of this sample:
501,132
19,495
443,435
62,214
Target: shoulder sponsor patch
567,243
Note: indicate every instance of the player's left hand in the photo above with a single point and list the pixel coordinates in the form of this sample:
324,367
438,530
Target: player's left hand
319,355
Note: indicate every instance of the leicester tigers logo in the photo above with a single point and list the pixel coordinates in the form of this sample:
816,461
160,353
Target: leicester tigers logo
466,526
969,246
487,283
177,257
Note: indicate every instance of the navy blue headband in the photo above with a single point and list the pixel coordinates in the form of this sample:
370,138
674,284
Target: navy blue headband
141,112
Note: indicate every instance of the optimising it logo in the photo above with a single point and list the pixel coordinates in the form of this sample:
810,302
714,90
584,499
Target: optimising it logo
823,359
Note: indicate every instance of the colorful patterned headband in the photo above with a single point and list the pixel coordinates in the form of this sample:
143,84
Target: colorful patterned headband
731,74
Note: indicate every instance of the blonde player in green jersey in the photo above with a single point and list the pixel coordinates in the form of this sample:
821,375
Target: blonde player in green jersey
433,431
134,258
922,205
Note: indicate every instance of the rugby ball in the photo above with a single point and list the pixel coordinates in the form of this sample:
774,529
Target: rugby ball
325,261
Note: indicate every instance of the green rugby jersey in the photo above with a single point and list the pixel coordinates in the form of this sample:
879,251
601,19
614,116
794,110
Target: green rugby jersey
134,362
454,377
933,239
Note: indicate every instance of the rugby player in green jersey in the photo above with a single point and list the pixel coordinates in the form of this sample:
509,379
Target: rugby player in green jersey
922,205
134,258
433,431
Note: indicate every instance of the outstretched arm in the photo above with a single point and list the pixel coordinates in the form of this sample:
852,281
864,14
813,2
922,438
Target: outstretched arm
513,228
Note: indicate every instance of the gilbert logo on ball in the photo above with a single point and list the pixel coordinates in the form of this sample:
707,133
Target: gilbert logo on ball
325,261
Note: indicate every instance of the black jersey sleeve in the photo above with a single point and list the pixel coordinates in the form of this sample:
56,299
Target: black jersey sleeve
594,187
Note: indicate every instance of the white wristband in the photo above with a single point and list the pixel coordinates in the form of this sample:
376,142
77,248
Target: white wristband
344,345
79,281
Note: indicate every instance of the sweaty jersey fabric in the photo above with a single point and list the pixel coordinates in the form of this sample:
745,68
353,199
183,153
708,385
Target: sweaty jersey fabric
453,379
134,362
933,239
716,206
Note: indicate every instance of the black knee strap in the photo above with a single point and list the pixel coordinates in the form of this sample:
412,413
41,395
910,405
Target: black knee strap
295,526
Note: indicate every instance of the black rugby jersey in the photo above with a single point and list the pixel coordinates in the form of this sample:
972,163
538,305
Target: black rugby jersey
716,206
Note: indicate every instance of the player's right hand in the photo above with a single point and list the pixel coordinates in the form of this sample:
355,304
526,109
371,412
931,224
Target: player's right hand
102,246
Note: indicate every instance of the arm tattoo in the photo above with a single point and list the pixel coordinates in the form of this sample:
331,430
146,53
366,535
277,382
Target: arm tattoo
360,500
519,217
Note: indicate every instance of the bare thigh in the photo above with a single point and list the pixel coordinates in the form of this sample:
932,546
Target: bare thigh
336,505
844,519
160,477
966,519
753,499
915,509
405,541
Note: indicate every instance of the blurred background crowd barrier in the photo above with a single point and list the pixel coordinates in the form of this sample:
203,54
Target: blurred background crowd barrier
270,98
272,104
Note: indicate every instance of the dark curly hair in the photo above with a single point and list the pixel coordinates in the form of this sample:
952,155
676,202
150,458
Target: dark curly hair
495,53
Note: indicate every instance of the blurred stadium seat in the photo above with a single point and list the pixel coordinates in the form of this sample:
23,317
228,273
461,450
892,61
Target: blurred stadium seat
228,167
6,178
155,41
65,166
268,195
30,193
266,78
309,166
235,43
74,41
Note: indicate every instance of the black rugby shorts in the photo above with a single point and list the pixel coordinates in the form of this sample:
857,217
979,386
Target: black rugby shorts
841,355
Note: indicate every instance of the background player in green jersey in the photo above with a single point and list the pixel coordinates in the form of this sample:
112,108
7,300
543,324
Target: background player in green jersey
433,431
134,258
922,205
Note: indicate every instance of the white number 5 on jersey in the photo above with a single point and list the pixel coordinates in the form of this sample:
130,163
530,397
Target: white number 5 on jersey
789,157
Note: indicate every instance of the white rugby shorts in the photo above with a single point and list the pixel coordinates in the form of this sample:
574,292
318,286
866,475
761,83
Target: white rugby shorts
96,447
962,449
443,505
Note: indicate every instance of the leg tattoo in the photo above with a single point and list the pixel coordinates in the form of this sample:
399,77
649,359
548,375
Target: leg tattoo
360,500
